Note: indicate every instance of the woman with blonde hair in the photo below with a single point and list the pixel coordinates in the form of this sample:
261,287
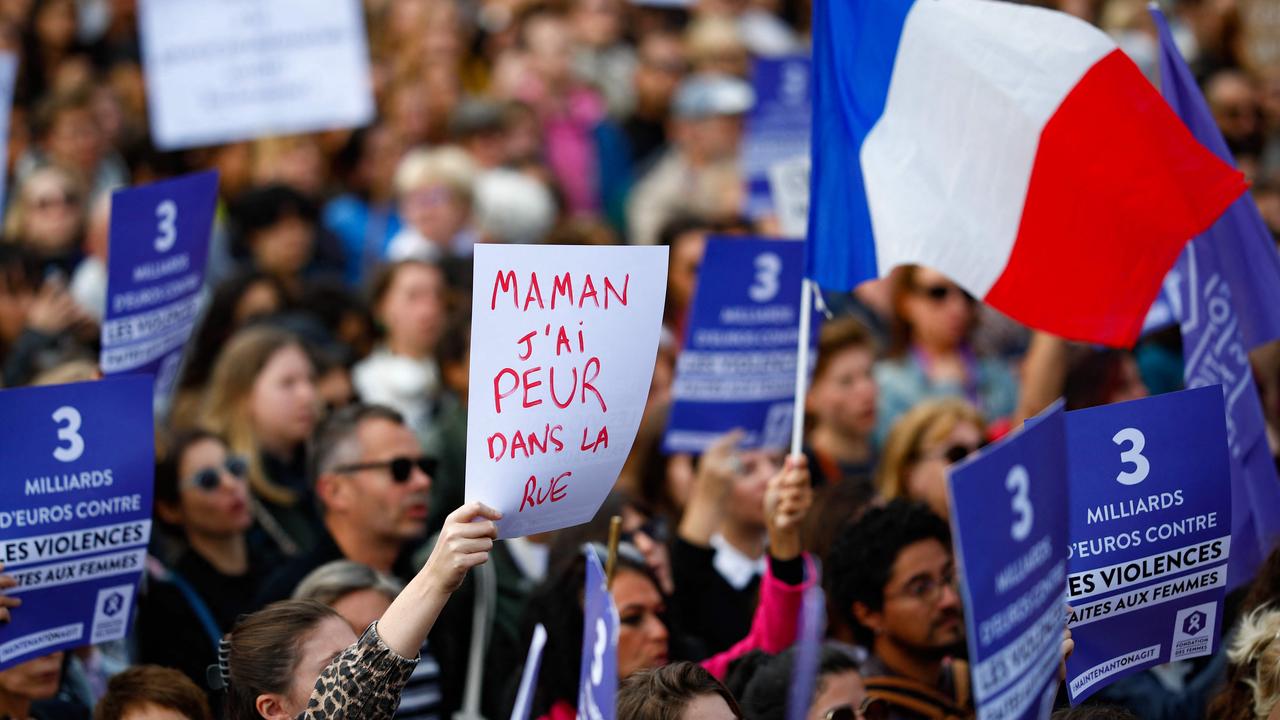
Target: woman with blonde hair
47,216
1252,689
262,398
436,192
922,443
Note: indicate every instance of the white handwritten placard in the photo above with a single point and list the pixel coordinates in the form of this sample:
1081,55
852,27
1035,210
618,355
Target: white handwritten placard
240,69
563,342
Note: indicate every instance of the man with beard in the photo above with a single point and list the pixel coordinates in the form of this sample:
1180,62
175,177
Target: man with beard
371,482
892,578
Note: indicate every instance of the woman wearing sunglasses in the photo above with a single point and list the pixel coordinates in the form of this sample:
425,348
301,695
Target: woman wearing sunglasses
930,354
921,445
201,492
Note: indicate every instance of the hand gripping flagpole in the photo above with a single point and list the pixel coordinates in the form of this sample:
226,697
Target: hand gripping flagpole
807,290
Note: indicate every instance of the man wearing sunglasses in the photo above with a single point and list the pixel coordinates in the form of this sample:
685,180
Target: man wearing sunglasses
892,578
371,482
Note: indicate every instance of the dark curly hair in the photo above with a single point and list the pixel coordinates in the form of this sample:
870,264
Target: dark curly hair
862,558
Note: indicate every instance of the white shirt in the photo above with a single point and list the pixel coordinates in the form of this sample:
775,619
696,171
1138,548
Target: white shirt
736,568
532,558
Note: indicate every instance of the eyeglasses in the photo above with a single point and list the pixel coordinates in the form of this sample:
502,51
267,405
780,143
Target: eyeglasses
956,453
941,293
927,589
869,709
952,454
54,200
401,467
429,197
208,479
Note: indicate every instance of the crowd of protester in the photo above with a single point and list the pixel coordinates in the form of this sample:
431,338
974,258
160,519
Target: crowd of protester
309,506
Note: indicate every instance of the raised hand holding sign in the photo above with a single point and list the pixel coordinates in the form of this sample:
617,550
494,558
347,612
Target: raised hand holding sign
563,343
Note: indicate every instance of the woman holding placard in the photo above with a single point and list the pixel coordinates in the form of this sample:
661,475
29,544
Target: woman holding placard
262,398
269,663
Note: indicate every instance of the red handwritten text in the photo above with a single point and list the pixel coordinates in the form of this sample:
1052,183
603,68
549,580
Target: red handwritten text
562,287
508,382
527,444
535,496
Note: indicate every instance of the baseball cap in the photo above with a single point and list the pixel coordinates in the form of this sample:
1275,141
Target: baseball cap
711,94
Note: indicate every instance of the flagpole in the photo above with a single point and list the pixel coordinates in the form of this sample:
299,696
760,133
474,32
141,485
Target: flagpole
807,290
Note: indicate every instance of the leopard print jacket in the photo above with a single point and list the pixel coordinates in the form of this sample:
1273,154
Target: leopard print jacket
363,683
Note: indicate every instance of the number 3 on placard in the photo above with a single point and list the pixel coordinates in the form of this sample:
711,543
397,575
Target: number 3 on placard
1018,482
765,288
68,433
167,215
1137,441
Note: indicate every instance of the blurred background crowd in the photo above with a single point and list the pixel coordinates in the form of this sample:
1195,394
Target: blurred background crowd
336,330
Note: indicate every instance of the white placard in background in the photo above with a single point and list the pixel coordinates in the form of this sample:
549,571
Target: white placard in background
563,341
227,70
789,183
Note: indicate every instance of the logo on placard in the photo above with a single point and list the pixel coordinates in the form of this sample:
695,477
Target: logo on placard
111,613
113,605
1193,631
1194,623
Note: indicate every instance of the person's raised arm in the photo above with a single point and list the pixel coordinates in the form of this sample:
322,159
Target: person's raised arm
717,468
774,625
465,542
1044,372
786,502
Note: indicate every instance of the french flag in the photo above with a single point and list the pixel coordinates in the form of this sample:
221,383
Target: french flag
1013,148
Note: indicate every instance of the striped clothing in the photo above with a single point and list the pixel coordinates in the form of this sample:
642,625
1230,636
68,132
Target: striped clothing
421,699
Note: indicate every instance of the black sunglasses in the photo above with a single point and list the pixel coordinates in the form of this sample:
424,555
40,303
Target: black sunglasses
939,293
208,479
401,467
870,709
956,453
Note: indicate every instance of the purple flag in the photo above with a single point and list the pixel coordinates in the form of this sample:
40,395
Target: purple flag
1228,303
808,652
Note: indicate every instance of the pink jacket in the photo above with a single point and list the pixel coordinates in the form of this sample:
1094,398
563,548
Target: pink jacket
773,629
